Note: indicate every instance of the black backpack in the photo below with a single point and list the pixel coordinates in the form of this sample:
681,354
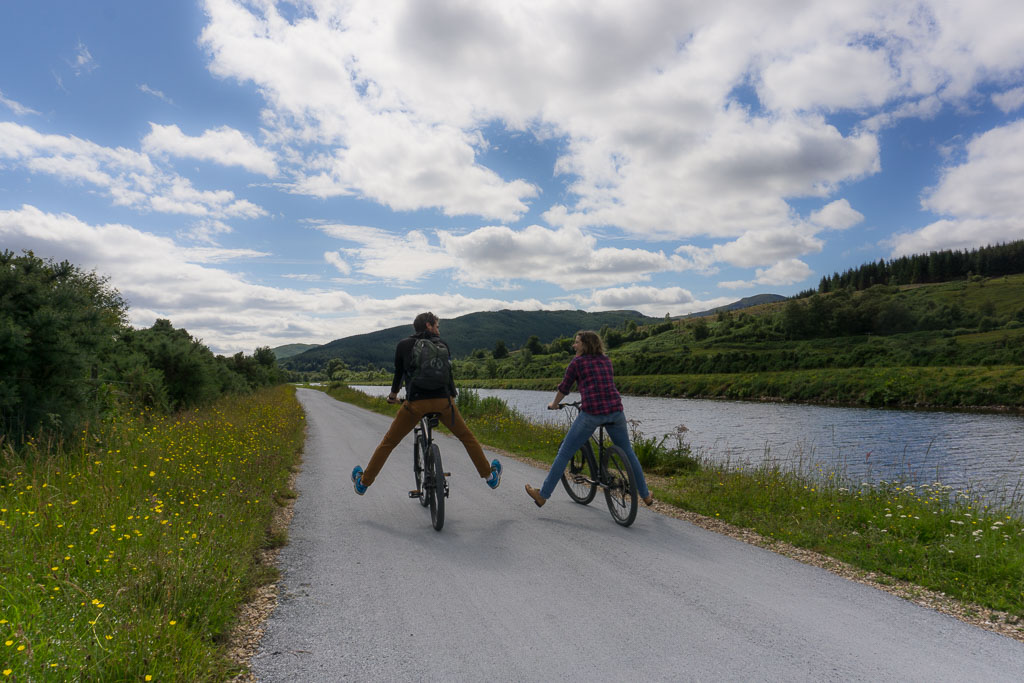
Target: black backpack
431,366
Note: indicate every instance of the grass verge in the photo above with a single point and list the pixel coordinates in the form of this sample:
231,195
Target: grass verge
925,535
127,554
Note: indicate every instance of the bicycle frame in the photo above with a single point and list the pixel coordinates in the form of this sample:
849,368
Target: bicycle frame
431,479
609,470
602,476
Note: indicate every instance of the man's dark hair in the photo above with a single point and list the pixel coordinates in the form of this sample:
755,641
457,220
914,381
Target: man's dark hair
422,320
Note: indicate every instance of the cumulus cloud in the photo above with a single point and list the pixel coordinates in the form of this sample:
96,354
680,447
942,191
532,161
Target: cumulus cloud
1011,100
829,77
980,198
656,142
787,272
161,279
498,256
766,246
382,254
565,257
225,146
837,215
652,301
128,177
383,149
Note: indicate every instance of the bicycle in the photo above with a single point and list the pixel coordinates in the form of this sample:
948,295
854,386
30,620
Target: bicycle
431,479
610,470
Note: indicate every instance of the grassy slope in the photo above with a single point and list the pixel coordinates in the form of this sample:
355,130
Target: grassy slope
128,554
885,378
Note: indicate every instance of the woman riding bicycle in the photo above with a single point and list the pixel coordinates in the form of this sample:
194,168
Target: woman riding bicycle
591,370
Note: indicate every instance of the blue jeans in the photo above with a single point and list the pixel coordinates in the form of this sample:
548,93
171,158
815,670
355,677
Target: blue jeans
582,428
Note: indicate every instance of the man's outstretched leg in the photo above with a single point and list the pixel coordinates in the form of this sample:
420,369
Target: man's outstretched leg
403,423
452,419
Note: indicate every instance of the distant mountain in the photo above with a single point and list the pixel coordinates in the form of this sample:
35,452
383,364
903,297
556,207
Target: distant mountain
745,302
289,350
465,334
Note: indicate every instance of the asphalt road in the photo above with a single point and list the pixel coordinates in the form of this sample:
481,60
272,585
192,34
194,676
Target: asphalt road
510,592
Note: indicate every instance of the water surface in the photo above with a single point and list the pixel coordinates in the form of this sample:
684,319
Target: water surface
967,451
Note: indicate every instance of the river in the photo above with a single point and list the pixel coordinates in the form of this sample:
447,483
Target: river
970,452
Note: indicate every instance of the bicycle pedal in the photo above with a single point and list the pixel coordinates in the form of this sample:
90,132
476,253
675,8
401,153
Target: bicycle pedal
414,494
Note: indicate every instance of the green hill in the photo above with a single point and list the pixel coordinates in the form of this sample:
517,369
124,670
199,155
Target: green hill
465,334
289,350
951,344
745,302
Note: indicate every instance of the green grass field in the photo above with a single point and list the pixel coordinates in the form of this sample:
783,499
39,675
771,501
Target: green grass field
127,553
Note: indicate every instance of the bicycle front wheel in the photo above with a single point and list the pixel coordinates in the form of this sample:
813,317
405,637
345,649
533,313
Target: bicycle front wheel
620,492
436,488
578,478
418,449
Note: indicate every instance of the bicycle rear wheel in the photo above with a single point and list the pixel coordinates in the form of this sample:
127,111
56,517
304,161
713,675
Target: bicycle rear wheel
578,478
620,493
436,487
417,468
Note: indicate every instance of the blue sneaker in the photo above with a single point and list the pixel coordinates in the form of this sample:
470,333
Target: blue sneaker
357,480
495,477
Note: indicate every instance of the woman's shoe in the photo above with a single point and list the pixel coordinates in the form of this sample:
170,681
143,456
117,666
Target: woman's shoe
535,494
649,500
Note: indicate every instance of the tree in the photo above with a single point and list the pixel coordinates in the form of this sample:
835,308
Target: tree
533,345
500,350
336,369
58,329
191,374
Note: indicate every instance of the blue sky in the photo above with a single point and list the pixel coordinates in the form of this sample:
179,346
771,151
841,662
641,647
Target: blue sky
263,172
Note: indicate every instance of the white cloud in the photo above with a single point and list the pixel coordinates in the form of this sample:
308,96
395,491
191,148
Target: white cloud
787,272
160,279
225,146
155,93
565,257
656,143
130,178
980,198
336,260
206,231
1011,100
382,148
988,183
382,254
17,108
766,246
83,62
830,77
925,108
837,215
651,301
635,297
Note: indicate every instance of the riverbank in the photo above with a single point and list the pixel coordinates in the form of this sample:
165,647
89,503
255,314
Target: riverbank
921,540
996,389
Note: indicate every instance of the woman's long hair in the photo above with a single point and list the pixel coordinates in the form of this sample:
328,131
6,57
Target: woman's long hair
591,341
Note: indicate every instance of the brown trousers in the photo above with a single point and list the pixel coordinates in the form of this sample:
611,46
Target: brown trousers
408,415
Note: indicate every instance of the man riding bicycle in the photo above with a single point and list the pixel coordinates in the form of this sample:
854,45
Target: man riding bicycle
421,398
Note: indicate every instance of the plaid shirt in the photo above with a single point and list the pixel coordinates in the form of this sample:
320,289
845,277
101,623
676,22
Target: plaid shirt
593,374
